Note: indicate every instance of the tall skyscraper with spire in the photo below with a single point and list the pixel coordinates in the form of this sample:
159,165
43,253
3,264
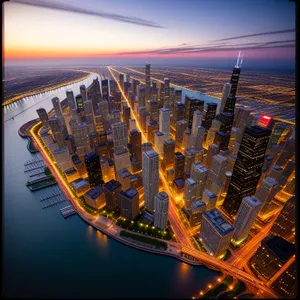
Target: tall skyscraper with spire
236,75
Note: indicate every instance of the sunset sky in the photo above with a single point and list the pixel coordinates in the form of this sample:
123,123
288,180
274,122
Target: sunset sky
191,32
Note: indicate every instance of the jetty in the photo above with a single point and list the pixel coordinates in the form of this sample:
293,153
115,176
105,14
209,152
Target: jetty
68,211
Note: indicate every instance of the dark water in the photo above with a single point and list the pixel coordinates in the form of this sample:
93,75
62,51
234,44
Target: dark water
45,255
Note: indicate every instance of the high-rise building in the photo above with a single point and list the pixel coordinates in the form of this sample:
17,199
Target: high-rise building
135,140
126,115
43,116
159,139
178,96
230,104
104,85
148,83
279,133
215,126
213,150
192,104
225,94
179,161
146,147
92,163
150,177
199,138
70,144
215,233
112,190
188,140
123,176
178,112
247,168
57,106
166,102
287,152
241,118
152,126
63,159
83,92
164,121
189,159
285,223
199,174
194,214
168,154
197,120
189,195
95,197
89,115
210,199
101,117
121,80
245,218
81,139
222,140
112,87
79,103
153,109
161,207
210,114
235,76
217,170
181,127
161,95
120,136
71,101
226,119
93,92
59,131
129,202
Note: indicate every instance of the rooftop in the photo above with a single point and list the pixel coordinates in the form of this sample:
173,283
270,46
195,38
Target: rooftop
123,173
112,185
162,196
91,155
159,133
182,122
200,167
190,152
209,194
80,183
129,193
198,204
179,181
279,247
190,181
218,221
70,171
94,193
258,129
169,142
151,153
60,150
135,177
222,133
252,201
179,155
164,109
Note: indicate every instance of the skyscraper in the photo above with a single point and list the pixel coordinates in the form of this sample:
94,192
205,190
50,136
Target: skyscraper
217,170
164,121
189,195
83,92
181,127
129,202
245,218
199,174
148,83
43,116
226,119
168,154
213,149
104,85
112,190
222,140
287,152
150,177
225,94
230,104
92,163
120,137
121,80
59,131
166,102
197,120
215,126
89,115
57,106
79,103
210,199
153,109
210,115
135,140
192,104
81,138
247,168
71,101
179,161
235,76
161,208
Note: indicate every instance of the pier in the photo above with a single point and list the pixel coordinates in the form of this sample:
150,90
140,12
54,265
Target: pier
34,164
52,199
68,211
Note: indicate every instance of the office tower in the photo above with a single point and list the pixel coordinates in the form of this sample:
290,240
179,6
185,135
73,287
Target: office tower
136,181
290,186
153,109
194,214
95,197
271,255
104,85
59,131
79,103
187,141
222,140
121,80
171,98
287,152
189,159
276,172
107,168
81,139
154,91
92,163
94,141
57,106
112,190
215,126
83,92
230,104
181,126
161,95
147,82
123,176
152,126
213,149
93,92
119,135
225,94
241,118
226,119
228,175
126,115
189,195
166,98
101,117
235,76
63,159
71,101
114,116
179,161
146,147
284,225
199,138
288,170
178,96
192,104
274,151
43,116
235,138
135,140
217,170
161,208
210,199
254,119
159,139
247,168
79,165
245,218
215,233
266,192
118,100
279,133
178,112
168,154
199,174
285,286
112,87
132,124
164,121
129,203
70,144
210,115
89,115
142,96
150,177
197,120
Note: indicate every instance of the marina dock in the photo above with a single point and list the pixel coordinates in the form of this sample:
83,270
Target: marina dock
68,211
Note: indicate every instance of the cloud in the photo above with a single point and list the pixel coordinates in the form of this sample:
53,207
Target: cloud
256,34
71,8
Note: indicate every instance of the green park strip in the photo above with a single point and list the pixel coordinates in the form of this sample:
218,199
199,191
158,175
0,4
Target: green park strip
144,239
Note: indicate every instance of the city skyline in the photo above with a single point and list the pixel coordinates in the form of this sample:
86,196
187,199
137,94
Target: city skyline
198,36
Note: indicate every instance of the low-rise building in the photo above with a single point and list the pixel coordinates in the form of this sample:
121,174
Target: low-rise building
95,197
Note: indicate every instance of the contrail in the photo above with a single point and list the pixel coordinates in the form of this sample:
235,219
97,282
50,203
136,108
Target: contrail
82,10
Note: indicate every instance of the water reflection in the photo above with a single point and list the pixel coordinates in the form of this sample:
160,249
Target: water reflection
101,239
184,270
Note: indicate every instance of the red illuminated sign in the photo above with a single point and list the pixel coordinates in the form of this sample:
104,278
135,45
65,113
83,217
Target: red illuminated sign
264,120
